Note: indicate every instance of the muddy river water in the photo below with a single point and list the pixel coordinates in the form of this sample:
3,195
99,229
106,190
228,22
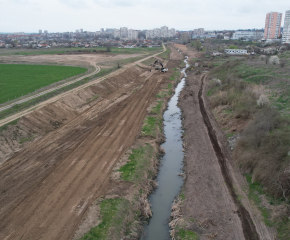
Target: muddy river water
169,183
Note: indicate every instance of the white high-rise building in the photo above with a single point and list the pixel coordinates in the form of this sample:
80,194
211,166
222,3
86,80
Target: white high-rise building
164,31
172,32
286,29
124,32
132,34
117,33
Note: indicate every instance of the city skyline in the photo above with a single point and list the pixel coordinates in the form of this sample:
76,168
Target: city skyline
91,15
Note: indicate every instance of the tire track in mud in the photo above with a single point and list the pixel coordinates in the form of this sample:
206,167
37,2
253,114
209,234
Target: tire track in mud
248,225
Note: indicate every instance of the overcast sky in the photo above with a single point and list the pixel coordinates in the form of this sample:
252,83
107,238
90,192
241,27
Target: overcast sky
91,15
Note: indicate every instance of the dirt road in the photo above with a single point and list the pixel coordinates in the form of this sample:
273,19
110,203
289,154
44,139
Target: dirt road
47,188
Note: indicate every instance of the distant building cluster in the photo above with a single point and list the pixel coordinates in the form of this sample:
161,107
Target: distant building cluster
273,27
162,32
286,29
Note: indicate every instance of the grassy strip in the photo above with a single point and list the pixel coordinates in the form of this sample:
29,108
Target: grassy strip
165,55
255,191
182,234
149,61
140,160
114,50
151,126
109,209
22,106
121,62
157,109
20,79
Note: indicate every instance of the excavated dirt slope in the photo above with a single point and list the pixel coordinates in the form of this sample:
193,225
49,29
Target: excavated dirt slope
47,187
52,116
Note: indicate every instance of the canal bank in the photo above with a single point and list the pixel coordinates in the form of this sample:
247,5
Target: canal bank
169,177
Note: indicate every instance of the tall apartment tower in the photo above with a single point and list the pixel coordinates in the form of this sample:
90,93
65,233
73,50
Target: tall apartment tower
273,25
286,29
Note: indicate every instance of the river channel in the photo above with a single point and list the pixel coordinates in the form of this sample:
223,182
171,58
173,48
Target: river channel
169,183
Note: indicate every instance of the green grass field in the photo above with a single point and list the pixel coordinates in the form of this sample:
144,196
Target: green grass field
114,50
17,80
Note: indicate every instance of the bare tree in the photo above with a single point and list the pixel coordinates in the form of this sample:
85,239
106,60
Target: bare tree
108,47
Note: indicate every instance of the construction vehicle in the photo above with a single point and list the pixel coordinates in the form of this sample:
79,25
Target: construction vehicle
159,66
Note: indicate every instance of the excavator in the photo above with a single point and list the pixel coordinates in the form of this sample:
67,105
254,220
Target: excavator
159,66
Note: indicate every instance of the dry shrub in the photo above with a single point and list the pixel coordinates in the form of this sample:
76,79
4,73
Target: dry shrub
263,148
258,90
235,93
282,63
274,60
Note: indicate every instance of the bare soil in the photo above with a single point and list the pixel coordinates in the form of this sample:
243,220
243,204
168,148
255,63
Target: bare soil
47,187
70,59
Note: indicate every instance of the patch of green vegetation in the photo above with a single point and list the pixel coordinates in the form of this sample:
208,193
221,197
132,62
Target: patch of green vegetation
23,140
182,64
233,47
182,196
139,162
22,106
109,209
157,109
165,54
18,79
93,98
149,61
169,86
183,234
161,94
4,127
230,134
150,127
113,50
255,191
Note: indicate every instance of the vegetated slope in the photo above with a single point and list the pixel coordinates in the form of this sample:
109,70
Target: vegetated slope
55,179
246,111
18,80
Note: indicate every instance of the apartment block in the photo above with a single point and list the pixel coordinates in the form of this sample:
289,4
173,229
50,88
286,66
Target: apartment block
132,34
273,25
248,35
124,32
198,32
286,29
162,32
117,33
